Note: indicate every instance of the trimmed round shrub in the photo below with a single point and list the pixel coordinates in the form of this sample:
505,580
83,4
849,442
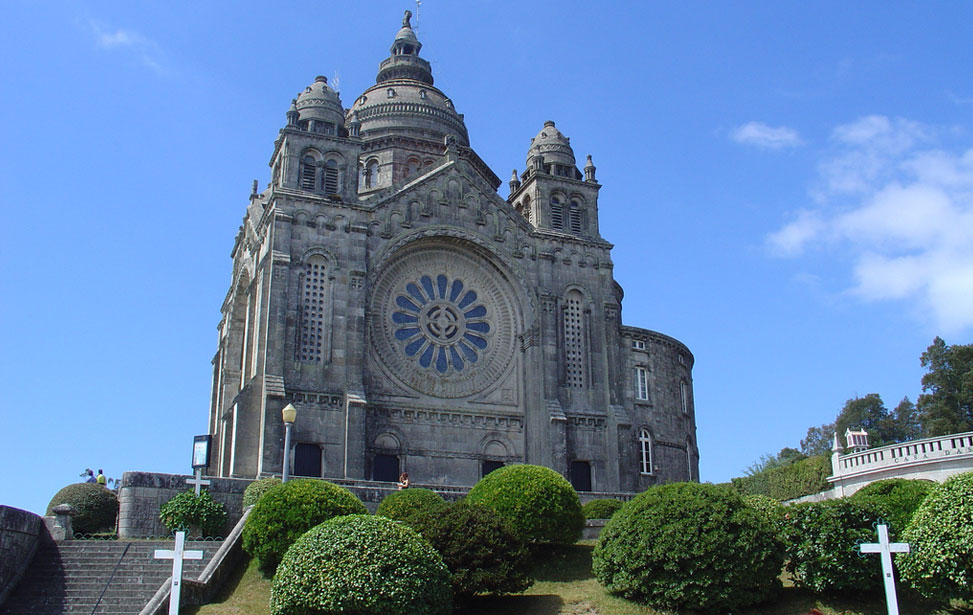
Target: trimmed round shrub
822,545
400,505
601,509
536,502
772,510
198,516
940,564
896,498
257,488
689,546
95,508
361,564
483,554
288,510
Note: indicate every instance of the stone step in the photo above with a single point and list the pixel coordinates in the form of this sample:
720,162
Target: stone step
71,576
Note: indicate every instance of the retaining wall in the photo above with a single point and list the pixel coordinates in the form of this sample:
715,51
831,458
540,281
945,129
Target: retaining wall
20,531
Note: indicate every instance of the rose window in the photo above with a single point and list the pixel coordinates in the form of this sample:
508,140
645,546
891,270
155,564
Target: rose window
440,324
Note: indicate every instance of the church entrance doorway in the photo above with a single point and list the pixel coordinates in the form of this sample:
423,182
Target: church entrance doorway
581,475
307,460
489,466
385,468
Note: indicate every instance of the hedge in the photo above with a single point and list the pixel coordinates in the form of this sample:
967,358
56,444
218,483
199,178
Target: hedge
601,509
537,502
200,516
95,508
288,510
897,499
689,546
800,478
402,504
941,538
361,564
822,545
483,554
257,488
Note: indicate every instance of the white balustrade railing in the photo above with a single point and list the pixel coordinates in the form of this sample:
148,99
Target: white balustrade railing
904,454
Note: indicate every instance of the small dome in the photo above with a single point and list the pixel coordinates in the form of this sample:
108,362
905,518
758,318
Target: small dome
319,102
552,145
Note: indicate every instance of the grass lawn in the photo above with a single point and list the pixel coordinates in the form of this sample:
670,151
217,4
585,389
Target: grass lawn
565,585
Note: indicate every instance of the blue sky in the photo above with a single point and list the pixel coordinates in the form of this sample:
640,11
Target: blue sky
788,185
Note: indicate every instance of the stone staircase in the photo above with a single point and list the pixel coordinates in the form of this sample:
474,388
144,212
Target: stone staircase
98,577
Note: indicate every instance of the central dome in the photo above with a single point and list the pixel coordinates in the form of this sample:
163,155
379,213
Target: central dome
403,99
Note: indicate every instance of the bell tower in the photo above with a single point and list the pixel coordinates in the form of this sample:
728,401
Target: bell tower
552,194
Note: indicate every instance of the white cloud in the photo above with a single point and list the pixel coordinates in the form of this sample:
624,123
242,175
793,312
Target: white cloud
143,50
768,137
790,240
903,215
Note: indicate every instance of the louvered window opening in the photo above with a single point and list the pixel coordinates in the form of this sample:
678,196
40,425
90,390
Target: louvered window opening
312,322
574,344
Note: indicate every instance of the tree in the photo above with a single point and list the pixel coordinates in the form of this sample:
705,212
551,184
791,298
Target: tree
868,413
946,405
906,419
819,440
785,457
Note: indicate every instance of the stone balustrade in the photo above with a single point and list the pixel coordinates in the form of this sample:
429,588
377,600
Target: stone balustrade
933,459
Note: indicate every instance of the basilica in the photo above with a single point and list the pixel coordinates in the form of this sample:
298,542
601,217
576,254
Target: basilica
420,322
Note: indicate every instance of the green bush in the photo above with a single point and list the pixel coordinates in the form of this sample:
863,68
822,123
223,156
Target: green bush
772,511
896,498
537,503
794,480
601,509
822,545
199,516
95,508
941,538
483,554
288,510
257,488
689,546
400,505
361,564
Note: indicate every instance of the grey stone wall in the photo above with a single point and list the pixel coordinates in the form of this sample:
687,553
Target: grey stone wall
20,532
143,493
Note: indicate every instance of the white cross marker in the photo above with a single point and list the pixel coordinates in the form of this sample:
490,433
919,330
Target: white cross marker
198,481
177,555
887,548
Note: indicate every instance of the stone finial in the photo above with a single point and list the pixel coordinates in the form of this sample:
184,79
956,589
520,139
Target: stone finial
292,114
60,526
589,170
836,447
514,181
406,19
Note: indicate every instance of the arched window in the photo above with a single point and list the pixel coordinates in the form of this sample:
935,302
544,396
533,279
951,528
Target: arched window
330,180
641,378
557,213
527,214
576,213
684,396
574,340
309,171
645,452
412,167
314,310
370,177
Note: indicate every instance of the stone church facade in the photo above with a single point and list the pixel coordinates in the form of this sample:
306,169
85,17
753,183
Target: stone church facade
419,322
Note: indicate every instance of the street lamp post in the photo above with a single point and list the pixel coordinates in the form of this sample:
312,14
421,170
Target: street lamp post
289,414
